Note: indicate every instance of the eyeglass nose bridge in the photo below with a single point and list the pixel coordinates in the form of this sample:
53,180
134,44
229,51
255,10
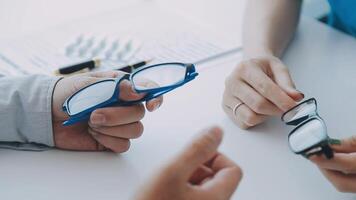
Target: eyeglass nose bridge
300,120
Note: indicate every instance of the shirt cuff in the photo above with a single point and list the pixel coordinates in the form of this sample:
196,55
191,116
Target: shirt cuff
29,100
40,123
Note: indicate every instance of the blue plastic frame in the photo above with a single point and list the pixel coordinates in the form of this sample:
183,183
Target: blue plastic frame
114,101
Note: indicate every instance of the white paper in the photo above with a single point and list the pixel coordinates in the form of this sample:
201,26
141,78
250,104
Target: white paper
153,33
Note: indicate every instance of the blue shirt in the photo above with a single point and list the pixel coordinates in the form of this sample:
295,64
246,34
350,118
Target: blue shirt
343,15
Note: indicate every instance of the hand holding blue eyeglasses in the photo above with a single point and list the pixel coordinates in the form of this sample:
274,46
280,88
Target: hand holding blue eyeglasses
152,81
108,128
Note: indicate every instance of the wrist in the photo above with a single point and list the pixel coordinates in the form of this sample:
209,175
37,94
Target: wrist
259,52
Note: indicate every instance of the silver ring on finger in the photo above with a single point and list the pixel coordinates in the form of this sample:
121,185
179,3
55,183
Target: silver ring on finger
237,107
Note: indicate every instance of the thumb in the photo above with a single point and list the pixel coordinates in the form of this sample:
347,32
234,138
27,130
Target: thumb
284,80
201,150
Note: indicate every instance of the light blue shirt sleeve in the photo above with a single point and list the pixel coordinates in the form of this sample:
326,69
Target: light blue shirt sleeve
26,112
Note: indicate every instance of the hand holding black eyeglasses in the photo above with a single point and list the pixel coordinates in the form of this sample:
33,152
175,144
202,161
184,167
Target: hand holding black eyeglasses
108,128
341,169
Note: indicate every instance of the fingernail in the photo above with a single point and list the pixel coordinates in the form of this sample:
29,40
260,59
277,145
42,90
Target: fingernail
334,141
301,93
97,119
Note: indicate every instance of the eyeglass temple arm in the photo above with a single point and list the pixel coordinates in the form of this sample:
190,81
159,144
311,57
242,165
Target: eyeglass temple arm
328,152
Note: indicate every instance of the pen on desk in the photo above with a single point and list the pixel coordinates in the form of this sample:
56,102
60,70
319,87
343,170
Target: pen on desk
131,68
88,65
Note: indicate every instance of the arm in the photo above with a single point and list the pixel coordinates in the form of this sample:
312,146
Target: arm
269,26
31,115
25,112
261,86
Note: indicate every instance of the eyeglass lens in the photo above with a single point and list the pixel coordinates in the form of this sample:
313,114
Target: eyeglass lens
91,96
309,134
159,76
305,109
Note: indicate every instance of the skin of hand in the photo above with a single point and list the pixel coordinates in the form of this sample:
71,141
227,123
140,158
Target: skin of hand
198,172
265,88
262,82
341,169
109,128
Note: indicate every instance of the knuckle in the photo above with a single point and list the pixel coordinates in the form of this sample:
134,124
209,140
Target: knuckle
242,68
232,87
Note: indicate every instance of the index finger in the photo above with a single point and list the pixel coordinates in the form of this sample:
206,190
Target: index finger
343,162
267,88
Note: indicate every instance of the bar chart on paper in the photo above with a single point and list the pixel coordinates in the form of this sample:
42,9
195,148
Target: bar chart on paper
118,38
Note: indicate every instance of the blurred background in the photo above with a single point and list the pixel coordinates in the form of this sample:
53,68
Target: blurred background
19,17
39,36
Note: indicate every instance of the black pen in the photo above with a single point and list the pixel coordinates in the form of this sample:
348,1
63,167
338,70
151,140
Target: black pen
131,68
84,66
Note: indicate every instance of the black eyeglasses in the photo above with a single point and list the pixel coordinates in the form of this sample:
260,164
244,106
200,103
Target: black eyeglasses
310,136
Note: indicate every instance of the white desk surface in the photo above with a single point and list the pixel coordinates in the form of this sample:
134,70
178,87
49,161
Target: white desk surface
323,64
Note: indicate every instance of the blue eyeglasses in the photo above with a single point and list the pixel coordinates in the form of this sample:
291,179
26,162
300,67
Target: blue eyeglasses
154,81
